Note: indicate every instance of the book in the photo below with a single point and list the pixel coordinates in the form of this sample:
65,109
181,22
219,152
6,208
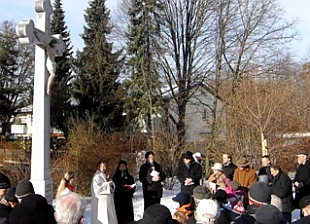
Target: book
154,173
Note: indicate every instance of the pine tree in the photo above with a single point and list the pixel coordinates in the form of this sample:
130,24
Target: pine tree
98,68
144,88
62,88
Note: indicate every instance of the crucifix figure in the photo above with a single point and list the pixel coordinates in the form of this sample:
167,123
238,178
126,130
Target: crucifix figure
54,45
47,48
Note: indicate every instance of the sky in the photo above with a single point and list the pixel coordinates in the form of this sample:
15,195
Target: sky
16,10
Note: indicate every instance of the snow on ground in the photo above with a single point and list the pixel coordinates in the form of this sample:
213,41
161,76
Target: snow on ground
166,200
138,203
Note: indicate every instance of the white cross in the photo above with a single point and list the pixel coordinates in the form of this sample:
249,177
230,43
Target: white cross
40,37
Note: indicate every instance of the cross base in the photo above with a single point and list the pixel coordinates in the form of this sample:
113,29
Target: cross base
44,188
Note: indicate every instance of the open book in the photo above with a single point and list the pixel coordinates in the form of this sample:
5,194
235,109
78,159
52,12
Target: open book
129,186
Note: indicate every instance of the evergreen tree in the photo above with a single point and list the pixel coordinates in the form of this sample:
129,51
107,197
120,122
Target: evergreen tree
144,86
98,68
61,88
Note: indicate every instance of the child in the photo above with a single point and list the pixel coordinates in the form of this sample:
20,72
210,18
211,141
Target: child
184,203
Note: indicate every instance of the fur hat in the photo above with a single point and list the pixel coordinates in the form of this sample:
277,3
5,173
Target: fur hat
157,214
260,193
217,166
207,210
201,192
24,188
182,198
10,196
242,162
4,182
268,214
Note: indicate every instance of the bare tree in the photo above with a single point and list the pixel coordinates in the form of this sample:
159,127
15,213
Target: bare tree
253,31
183,53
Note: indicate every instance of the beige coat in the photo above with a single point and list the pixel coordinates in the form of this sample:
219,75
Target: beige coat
102,203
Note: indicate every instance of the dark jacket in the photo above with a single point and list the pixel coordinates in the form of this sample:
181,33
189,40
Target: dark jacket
194,171
146,179
249,217
123,196
282,187
302,175
229,170
265,170
303,220
33,209
4,213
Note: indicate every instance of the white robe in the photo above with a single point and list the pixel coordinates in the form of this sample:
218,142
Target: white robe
102,202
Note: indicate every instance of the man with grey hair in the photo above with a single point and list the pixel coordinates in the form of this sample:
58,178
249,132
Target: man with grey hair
70,209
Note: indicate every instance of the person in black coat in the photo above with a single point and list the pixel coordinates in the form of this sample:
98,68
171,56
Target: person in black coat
228,166
189,173
282,187
265,169
7,204
33,208
304,205
124,189
302,177
151,175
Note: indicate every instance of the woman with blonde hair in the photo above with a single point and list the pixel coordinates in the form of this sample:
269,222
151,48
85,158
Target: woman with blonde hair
66,184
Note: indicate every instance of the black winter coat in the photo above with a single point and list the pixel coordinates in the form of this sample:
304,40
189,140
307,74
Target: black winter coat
33,210
4,213
229,170
303,220
282,187
303,175
194,171
123,196
146,179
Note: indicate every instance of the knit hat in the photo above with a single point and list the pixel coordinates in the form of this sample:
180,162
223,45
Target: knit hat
24,188
201,192
217,166
207,210
157,214
304,202
260,193
182,198
10,196
268,214
4,182
187,155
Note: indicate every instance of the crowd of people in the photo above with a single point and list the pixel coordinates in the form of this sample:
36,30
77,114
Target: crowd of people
231,194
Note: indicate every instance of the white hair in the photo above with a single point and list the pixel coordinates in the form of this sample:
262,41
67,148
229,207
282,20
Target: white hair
207,211
70,208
